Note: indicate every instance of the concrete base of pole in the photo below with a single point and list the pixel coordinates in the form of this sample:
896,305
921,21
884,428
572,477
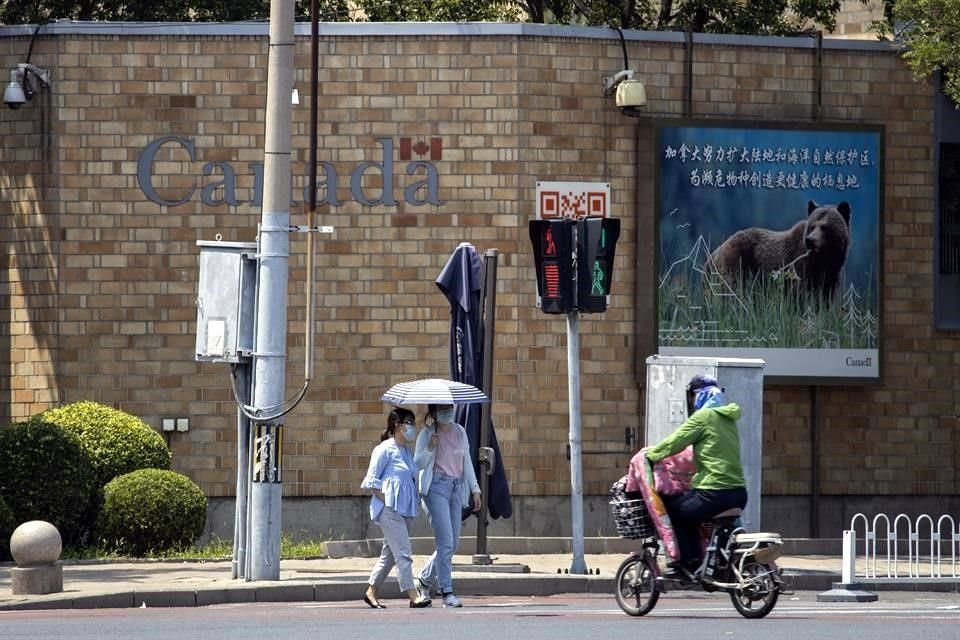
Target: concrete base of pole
37,580
482,558
847,592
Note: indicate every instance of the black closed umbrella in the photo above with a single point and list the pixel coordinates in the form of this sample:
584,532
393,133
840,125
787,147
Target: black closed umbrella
461,281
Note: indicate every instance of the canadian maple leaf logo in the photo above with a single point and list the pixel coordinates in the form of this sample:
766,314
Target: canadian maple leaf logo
421,149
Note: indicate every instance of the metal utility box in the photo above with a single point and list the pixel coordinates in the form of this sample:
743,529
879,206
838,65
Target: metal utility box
742,382
226,301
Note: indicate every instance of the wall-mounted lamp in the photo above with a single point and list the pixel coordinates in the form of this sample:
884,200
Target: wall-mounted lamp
25,80
630,94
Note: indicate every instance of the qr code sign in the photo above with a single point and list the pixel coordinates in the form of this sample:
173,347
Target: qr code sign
572,200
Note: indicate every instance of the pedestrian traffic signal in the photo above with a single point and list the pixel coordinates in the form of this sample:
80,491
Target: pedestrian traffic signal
596,243
553,256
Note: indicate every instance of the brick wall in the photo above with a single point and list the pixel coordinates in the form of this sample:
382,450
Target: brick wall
30,231
104,308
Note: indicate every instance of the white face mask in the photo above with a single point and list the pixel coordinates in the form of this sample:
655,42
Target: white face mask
410,433
446,416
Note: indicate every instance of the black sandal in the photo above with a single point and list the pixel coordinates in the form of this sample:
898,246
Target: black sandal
373,605
421,603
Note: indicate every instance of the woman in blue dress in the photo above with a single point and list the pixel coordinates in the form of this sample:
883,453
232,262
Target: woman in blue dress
391,477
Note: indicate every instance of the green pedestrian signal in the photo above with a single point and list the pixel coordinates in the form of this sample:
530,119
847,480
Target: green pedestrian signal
596,247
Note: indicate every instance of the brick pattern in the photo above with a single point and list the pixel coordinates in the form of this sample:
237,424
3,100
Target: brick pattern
29,228
103,308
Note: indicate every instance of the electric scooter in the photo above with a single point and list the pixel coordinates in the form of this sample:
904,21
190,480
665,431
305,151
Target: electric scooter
739,563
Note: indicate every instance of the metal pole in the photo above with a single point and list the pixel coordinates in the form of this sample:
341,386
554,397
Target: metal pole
486,461
271,338
242,372
814,465
848,567
578,565
248,559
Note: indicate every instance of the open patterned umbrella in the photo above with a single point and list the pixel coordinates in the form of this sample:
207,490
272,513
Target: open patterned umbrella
433,391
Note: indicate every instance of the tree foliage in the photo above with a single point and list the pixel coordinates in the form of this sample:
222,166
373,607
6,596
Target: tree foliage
37,11
770,17
438,11
930,32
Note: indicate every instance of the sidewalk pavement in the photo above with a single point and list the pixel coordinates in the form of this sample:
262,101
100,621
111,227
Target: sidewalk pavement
94,584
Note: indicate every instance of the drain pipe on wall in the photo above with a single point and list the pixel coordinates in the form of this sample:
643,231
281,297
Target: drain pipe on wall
814,465
818,77
688,73
814,404
312,200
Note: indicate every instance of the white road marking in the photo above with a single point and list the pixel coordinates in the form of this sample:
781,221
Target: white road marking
525,607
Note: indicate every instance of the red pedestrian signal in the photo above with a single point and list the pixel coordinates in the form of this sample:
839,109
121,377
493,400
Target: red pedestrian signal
553,248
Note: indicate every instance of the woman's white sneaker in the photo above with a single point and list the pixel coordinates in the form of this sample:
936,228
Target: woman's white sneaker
450,600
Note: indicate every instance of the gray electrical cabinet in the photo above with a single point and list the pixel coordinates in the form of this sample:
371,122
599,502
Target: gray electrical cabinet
742,382
226,301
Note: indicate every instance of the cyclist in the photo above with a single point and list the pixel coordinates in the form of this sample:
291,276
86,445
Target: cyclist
718,484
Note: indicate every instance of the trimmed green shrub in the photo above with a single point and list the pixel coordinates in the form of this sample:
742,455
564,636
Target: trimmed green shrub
116,441
48,475
151,510
7,526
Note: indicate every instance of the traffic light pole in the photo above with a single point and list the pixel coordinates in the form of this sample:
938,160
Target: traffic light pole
578,566
574,265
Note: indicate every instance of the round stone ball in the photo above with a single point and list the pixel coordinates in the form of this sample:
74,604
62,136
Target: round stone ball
35,543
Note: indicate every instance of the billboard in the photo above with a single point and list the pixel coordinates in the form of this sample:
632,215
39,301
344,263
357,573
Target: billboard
769,243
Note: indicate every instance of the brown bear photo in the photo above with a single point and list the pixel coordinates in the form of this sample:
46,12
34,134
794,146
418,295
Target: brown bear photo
812,251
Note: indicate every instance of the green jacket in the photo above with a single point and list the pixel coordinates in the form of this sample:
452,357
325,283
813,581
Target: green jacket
716,447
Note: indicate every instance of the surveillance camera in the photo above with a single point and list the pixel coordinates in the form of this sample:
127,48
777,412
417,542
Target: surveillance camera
631,96
25,81
13,95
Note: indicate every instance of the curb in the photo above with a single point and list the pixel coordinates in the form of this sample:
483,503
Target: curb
938,585
349,591
519,546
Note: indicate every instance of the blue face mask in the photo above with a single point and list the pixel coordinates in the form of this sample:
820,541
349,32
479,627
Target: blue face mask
409,432
446,416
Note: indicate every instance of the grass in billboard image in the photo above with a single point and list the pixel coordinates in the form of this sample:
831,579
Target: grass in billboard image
769,239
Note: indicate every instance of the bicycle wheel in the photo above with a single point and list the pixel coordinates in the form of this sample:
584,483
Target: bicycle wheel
759,596
636,585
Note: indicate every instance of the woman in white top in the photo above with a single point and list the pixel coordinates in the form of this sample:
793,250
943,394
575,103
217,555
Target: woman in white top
447,484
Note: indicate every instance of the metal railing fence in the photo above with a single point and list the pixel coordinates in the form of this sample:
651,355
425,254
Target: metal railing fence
900,541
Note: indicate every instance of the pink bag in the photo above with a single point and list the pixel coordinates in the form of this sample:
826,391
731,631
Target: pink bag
672,475
639,474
